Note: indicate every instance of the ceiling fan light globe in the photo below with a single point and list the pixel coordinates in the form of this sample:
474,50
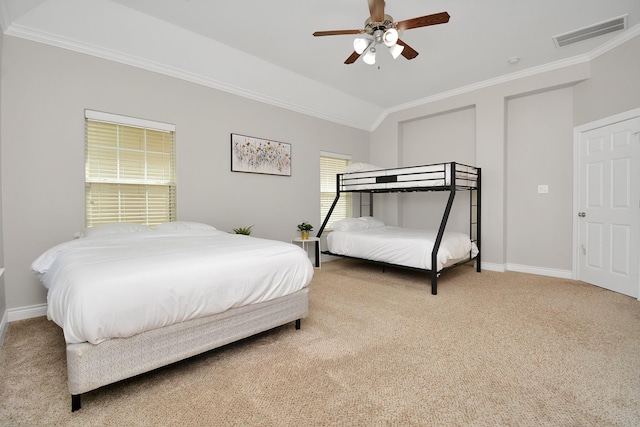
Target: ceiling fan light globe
369,57
359,45
390,37
396,50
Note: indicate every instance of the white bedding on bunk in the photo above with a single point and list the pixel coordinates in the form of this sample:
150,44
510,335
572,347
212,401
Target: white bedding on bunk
401,246
119,285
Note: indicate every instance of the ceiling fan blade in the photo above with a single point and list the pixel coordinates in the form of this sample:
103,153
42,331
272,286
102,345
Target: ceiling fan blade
408,52
376,9
337,32
423,21
353,58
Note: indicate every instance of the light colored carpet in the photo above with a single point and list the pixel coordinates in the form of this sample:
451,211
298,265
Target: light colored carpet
491,349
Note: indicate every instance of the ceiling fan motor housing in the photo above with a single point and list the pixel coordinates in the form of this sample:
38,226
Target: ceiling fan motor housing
370,27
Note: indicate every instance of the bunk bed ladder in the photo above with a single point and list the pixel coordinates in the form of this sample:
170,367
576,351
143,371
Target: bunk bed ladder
363,203
475,220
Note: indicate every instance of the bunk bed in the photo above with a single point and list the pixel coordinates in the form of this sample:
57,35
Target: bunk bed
449,177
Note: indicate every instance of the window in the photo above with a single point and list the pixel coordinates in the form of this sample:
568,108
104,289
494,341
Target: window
330,165
129,170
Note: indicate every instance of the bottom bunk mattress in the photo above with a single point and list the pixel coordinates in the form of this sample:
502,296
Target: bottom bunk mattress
402,246
119,285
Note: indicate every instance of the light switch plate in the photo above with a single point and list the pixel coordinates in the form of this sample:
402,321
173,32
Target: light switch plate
543,189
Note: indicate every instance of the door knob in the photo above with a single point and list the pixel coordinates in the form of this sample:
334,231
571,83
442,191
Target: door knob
582,214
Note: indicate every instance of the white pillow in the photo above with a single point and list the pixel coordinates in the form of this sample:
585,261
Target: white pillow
114,228
371,221
360,167
183,225
349,224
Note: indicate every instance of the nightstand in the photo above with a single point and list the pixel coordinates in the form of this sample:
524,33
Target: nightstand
305,246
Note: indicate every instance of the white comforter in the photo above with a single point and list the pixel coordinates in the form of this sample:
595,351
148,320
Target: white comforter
401,246
123,284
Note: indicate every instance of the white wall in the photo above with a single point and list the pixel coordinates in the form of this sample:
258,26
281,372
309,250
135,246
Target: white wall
44,93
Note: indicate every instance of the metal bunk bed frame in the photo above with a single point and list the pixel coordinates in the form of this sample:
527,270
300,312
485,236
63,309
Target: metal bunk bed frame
452,187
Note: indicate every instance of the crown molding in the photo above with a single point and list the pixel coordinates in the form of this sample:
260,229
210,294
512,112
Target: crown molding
104,53
123,58
579,59
624,37
5,21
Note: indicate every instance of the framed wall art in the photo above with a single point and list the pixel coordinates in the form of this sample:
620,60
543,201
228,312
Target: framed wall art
256,155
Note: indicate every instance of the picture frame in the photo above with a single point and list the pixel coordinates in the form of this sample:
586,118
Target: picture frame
257,155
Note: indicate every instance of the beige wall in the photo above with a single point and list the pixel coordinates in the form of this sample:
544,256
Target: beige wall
540,152
431,140
3,300
489,136
614,86
522,137
47,90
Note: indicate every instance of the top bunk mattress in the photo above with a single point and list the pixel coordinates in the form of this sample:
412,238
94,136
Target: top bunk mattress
425,177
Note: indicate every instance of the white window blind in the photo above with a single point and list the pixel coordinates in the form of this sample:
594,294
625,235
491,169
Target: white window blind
129,170
330,165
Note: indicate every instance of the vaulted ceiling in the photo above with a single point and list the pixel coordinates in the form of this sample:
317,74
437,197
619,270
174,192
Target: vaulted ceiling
266,50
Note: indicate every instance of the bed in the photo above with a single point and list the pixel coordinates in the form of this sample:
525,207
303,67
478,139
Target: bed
131,299
433,251
397,245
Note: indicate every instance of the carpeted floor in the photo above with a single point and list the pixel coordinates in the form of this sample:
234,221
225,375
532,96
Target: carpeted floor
491,349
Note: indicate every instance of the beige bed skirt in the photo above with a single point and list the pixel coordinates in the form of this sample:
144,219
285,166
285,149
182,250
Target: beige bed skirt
91,366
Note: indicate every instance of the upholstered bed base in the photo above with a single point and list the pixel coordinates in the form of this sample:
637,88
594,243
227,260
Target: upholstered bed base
92,366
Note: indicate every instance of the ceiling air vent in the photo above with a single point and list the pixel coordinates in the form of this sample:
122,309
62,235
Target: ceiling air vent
605,27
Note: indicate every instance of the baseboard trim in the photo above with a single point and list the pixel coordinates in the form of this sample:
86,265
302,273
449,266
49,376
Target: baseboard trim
4,325
501,268
492,267
551,272
28,312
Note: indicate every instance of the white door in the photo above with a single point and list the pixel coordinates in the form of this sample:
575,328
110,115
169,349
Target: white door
609,206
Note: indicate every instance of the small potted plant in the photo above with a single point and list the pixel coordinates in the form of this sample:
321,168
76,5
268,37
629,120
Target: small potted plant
243,230
305,228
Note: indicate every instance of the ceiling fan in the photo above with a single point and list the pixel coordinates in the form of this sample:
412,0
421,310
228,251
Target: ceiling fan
381,29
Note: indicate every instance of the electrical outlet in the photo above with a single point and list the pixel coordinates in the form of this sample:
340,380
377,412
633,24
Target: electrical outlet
543,189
